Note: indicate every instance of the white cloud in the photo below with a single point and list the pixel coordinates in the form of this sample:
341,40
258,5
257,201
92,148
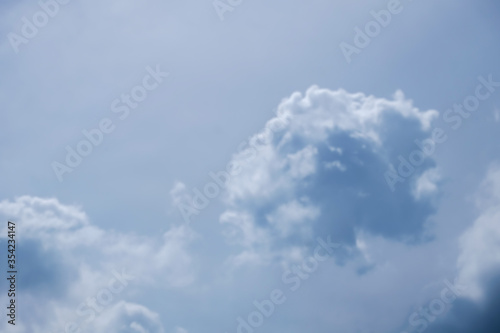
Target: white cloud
180,330
179,194
127,318
427,183
292,215
335,165
81,260
303,162
317,170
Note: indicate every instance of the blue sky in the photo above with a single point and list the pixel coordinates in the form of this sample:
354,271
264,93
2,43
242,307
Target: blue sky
308,141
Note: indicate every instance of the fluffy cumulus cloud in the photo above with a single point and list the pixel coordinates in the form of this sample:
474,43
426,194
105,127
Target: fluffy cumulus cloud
327,164
83,274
